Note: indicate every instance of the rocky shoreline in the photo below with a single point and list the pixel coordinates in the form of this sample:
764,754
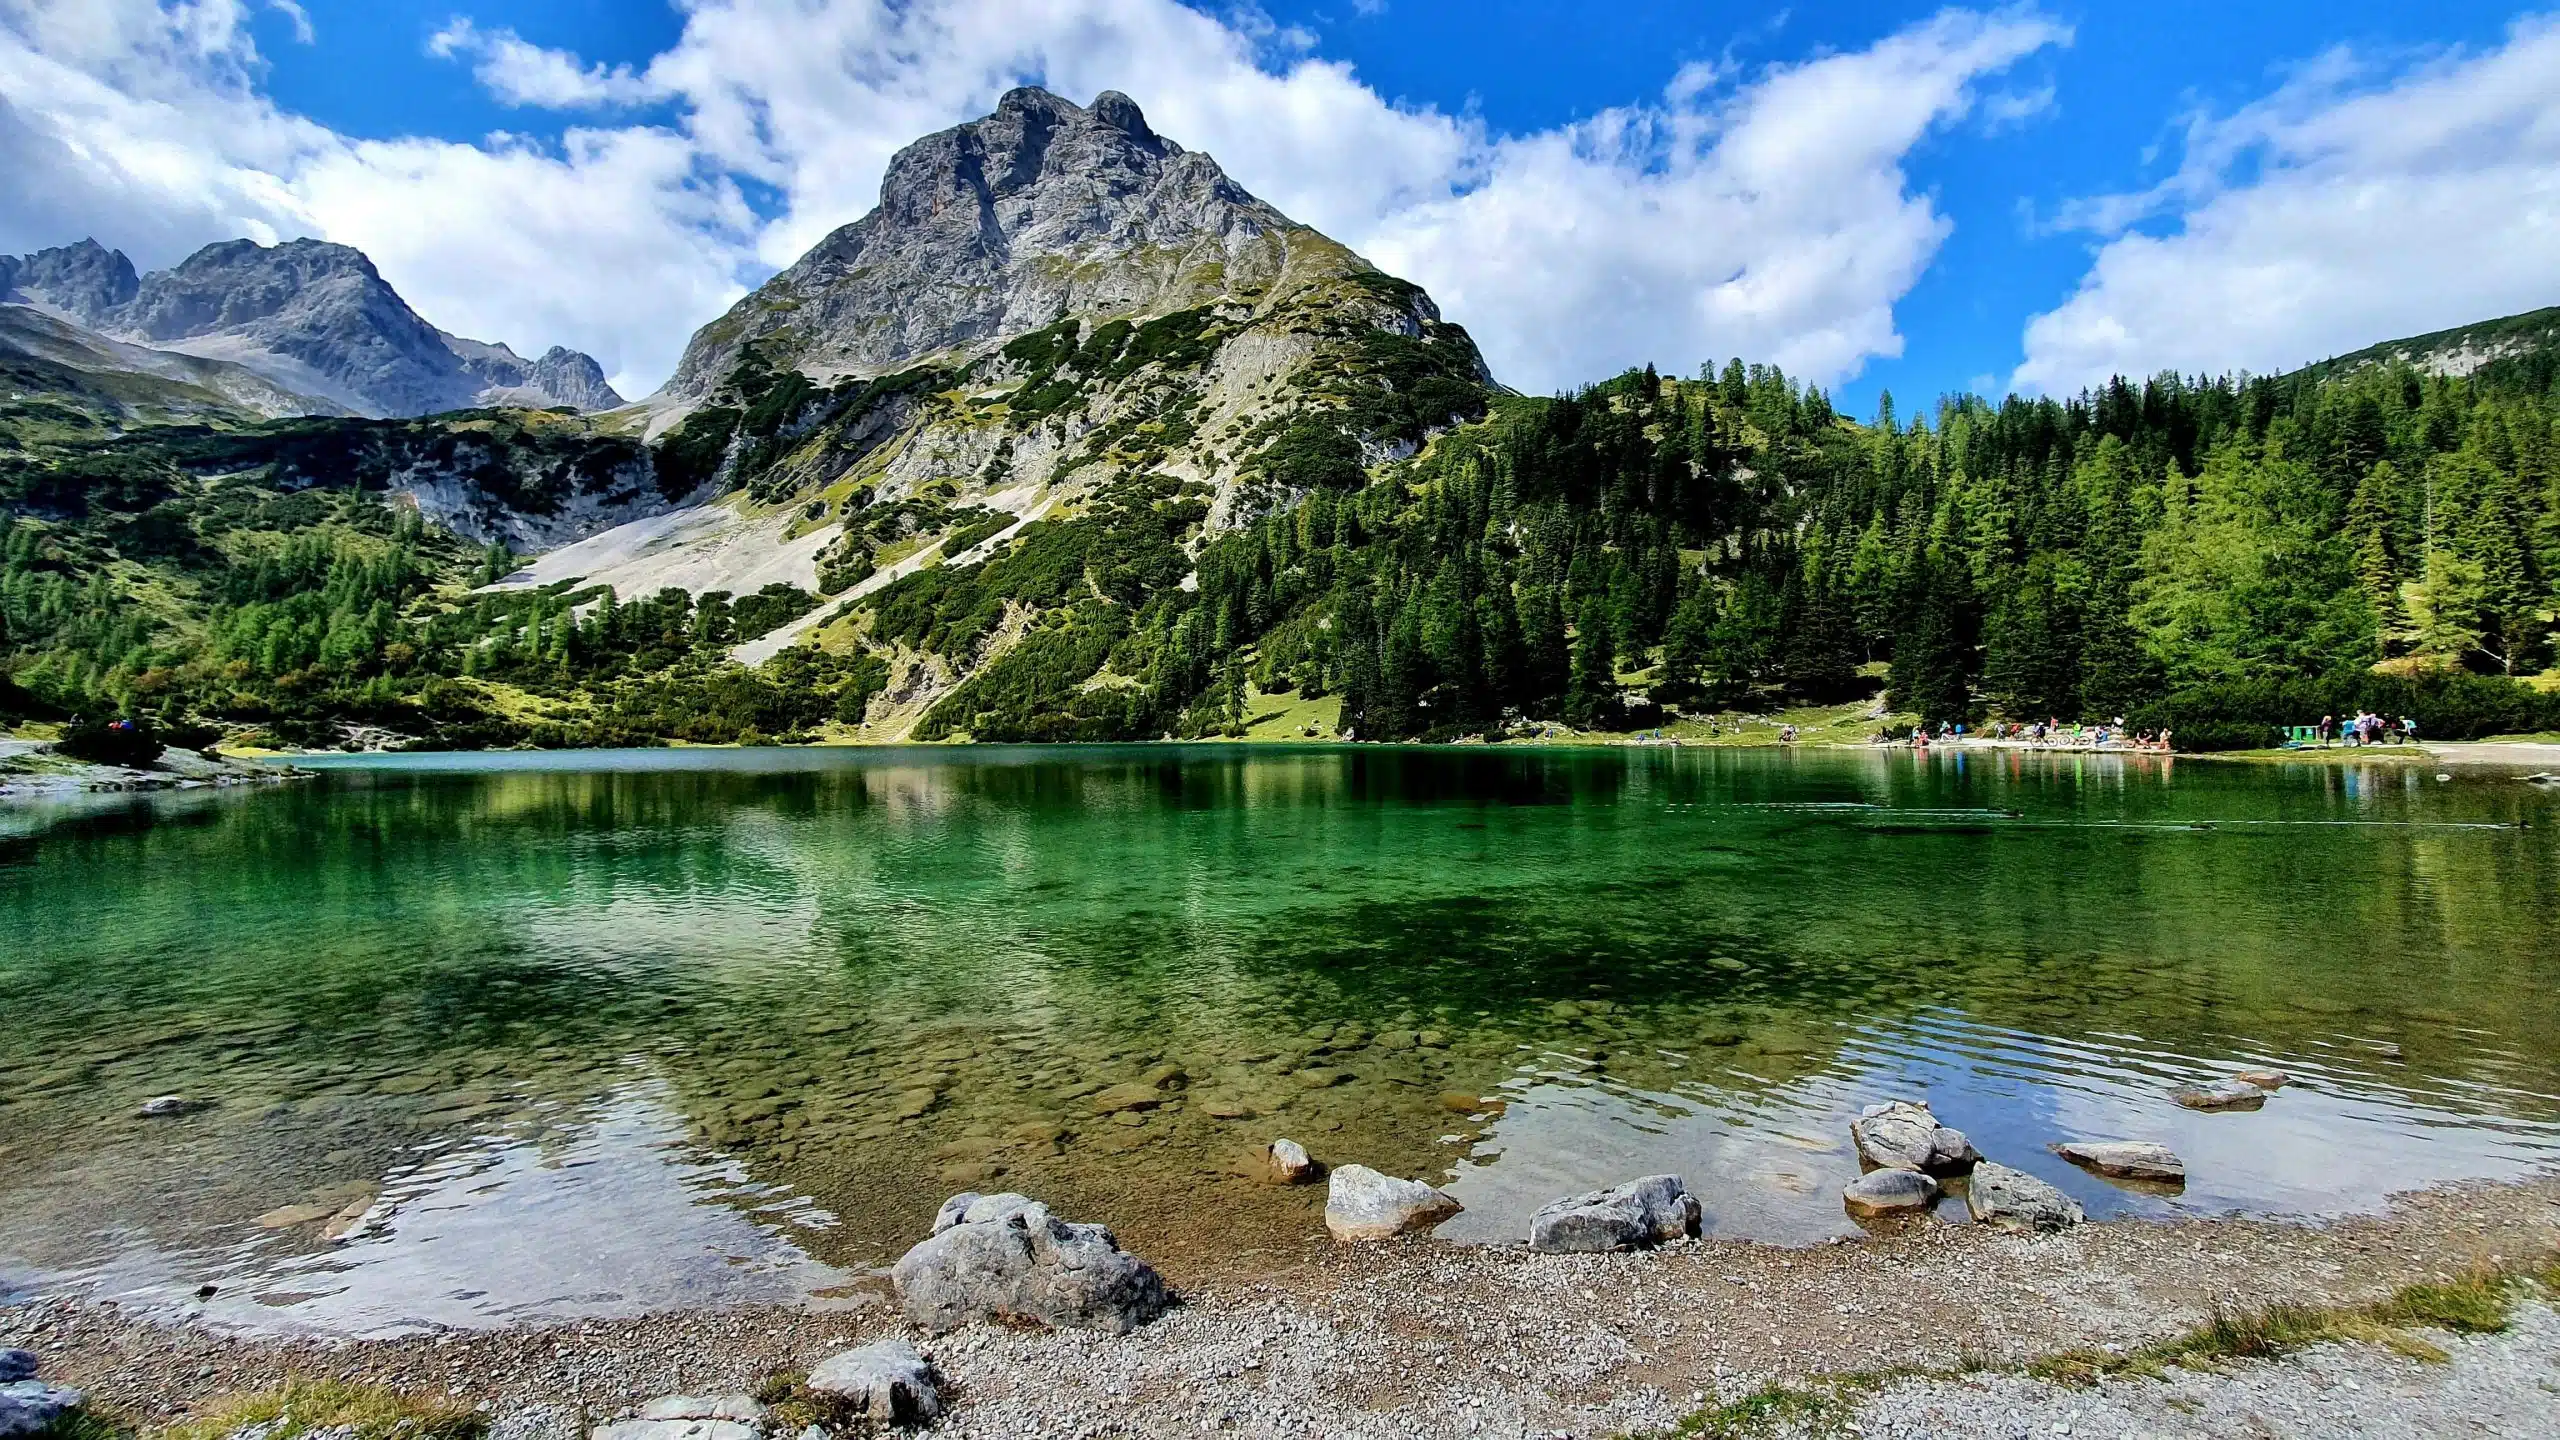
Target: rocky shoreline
1405,1337
29,770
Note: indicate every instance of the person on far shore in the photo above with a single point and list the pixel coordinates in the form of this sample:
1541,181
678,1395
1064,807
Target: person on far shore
2328,727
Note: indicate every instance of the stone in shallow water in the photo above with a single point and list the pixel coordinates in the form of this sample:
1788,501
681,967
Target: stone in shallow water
161,1107
1634,1216
1904,1135
1290,1163
994,1256
2263,1079
2125,1159
886,1382
1880,1193
1362,1204
2230,1095
2016,1200
1134,1096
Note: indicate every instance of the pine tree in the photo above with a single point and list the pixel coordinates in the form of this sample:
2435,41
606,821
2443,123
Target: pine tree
1591,698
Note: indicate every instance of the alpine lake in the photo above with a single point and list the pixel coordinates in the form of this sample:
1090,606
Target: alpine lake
469,1039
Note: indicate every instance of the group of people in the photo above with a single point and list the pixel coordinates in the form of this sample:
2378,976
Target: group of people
2367,728
2046,734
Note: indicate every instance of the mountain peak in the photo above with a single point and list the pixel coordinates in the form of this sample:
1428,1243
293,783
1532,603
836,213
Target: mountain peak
1004,225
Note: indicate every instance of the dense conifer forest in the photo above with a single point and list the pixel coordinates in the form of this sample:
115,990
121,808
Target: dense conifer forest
2214,556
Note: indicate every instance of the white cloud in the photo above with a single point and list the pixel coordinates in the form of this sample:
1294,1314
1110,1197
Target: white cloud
2346,208
522,73
1763,214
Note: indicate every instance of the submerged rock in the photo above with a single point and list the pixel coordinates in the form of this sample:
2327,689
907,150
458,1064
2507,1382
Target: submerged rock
1634,1216
2263,1079
996,1256
1362,1204
1880,1193
887,1382
2125,1159
689,1417
1290,1163
29,1407
1904,1135
2229,1095
160,1107
2016,1200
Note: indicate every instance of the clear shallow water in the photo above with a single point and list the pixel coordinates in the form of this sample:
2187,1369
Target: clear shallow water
577,1033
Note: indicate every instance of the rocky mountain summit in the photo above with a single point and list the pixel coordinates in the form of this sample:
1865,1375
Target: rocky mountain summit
311,317
1007,224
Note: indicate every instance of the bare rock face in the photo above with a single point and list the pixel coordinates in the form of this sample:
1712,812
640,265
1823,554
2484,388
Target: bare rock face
2126,1159
2016,1200
312,317
1637,1215
1006,1256
31,1407
997,228
1361,1204
1904,1135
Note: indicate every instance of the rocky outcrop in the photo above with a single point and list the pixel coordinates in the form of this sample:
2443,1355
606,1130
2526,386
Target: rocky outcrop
311,317
2126,1159
2016,1200
1006,1256
887,1382
1361,1204
1880,1194
1637,1215
1904,1135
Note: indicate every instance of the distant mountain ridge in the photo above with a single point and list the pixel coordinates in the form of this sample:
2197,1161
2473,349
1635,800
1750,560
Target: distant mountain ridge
314,318
2530,341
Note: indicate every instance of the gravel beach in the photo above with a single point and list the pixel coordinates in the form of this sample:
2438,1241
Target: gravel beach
1422,1338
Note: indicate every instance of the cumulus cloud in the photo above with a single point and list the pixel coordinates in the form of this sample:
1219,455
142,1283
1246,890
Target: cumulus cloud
522,73
1763,213
2353,204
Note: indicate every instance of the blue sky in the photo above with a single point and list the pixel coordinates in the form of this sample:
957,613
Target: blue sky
1976,240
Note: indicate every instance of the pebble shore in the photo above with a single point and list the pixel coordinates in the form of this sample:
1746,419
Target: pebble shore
1415,1337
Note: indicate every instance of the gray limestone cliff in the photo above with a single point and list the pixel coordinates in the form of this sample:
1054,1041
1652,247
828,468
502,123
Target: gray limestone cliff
1008,224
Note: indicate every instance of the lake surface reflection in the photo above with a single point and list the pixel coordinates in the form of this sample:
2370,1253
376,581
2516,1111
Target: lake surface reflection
740,1019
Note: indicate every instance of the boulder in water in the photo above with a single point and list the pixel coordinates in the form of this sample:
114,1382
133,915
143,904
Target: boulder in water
1006,1256
1290,1163
1882,1193
1637,1215
2263,1079
2126,1159
2016,1200
1904,1135
1361,1204
2229,1095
